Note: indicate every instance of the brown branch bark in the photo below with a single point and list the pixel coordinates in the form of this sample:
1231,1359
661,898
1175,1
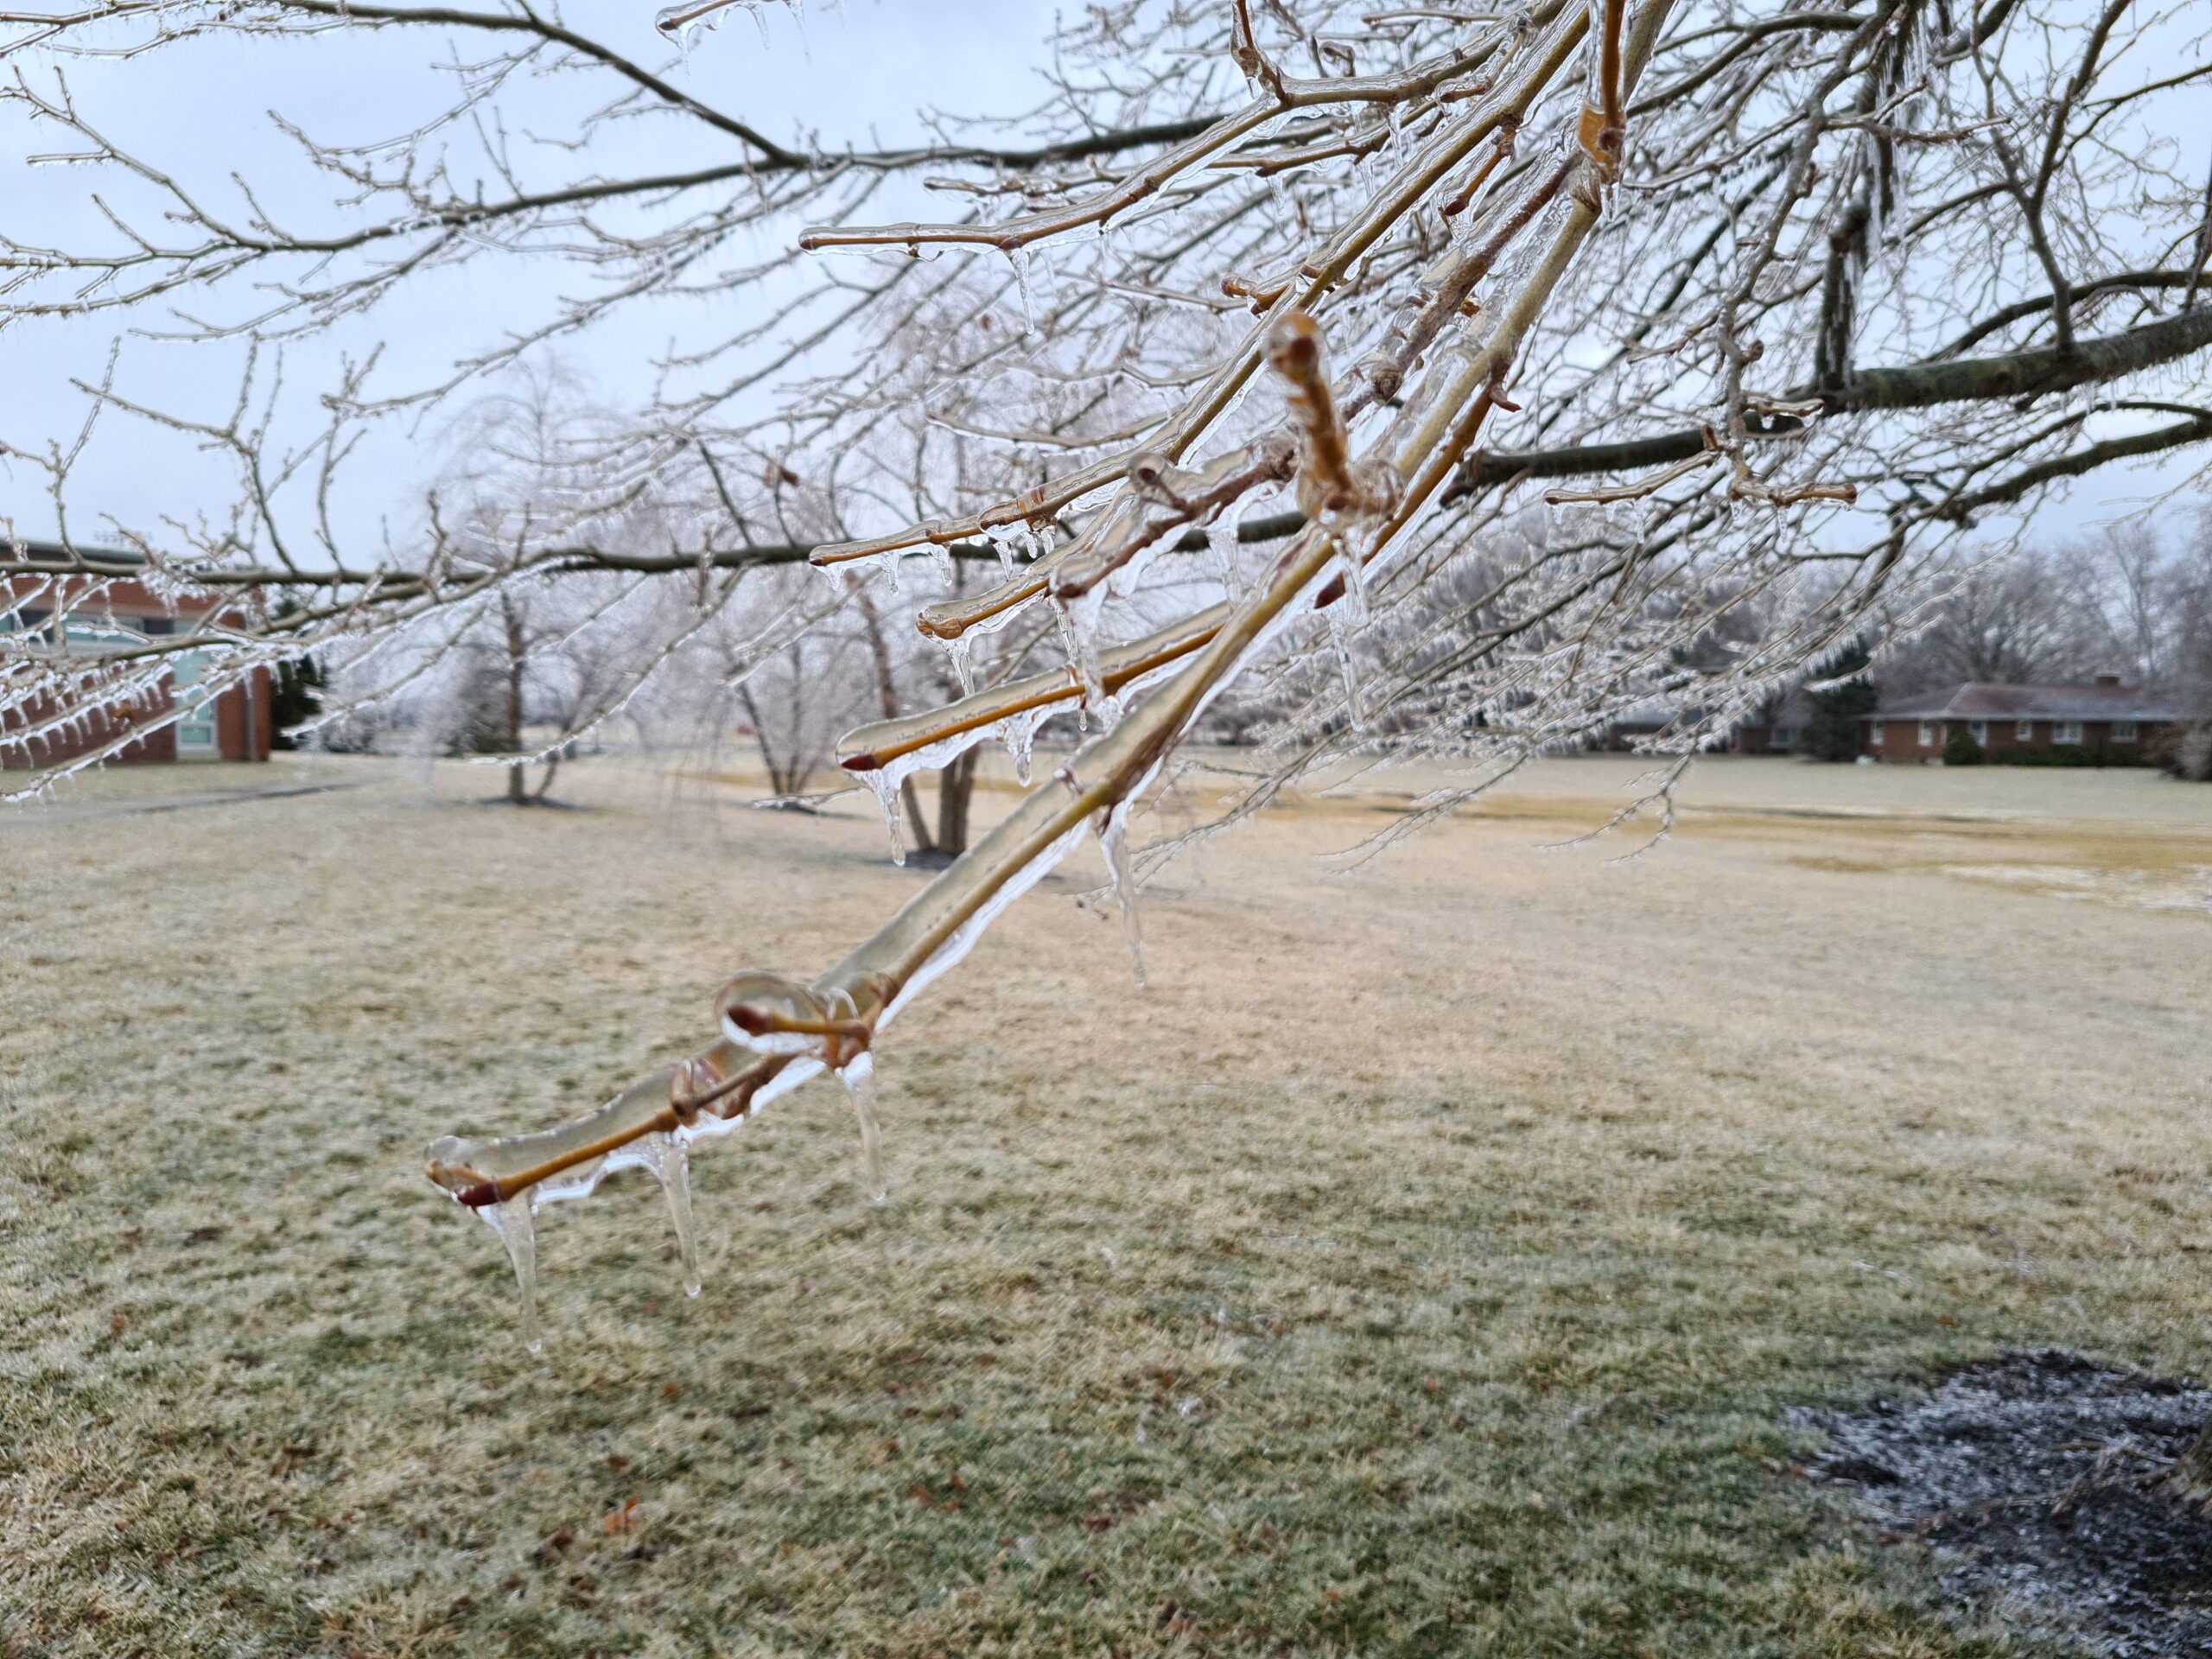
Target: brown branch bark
2195,430
1920,386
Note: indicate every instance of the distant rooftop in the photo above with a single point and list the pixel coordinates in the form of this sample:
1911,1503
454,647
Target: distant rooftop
54,553
2102,699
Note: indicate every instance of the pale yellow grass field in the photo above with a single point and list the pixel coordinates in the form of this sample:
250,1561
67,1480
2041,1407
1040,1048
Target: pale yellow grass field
1421,1264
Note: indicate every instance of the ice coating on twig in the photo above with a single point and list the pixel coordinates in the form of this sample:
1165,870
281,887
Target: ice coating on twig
888,751
954,949
1602,127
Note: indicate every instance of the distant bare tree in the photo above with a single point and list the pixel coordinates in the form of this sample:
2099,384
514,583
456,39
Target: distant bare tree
2015,622
2120,603
2186,606
798,702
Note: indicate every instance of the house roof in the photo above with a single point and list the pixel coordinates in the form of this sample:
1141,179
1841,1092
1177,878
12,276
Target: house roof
110,575
31,548
1982,700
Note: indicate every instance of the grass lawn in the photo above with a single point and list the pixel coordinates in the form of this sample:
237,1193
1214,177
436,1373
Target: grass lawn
1424,1264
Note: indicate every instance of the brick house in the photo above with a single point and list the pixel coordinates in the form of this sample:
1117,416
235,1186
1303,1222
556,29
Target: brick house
114,613
2107,718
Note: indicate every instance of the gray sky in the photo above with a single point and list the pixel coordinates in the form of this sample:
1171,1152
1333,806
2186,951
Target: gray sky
856,73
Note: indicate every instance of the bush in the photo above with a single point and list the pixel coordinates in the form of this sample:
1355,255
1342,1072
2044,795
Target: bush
2184,751
295,699
1960,750
2068,754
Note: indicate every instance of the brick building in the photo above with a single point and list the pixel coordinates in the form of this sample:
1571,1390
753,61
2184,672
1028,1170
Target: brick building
112,613
2106,720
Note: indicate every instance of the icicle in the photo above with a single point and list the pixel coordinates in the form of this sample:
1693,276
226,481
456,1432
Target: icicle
883,783
960,650
1352,568
1071,645
1019,731
1077,619
1341,630
1018,258
670,1164
512,1221
1220,542
1114,842
858,1075
685,22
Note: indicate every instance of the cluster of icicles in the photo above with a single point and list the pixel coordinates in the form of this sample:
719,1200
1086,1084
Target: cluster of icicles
764,1017
778,1034
684,23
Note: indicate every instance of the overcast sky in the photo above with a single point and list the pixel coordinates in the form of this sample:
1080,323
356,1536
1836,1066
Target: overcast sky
856,73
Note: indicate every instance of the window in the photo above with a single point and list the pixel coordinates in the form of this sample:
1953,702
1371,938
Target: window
1874,736
1979,731
1927,733
153,625
2066,731
2123,731
2024,732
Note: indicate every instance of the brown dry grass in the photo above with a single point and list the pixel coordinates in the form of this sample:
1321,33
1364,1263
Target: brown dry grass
1422,1265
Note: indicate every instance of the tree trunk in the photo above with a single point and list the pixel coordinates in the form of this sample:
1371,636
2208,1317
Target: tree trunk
886,694
765,743
956,788
517,790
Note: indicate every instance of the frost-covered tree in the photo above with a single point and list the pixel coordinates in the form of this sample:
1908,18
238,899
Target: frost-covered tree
1448,380
1834,702
2121,602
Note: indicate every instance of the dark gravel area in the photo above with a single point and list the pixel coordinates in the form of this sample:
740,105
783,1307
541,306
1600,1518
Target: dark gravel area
2037,1476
